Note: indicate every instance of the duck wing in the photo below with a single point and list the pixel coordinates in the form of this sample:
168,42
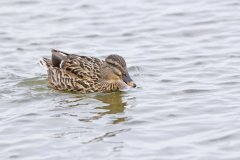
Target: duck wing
62,80
83,67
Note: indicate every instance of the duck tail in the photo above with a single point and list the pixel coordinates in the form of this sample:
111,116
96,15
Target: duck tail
58,57
45,63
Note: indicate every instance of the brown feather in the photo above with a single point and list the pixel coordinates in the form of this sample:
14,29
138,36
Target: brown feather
85,74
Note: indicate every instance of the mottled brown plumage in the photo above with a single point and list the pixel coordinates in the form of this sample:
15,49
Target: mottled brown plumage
86,74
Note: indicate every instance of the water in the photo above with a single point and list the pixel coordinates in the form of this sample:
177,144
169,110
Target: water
184,56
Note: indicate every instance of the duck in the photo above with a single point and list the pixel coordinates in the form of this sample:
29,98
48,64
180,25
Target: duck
86,74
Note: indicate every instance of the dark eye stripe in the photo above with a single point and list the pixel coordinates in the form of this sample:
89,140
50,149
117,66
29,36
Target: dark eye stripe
116,65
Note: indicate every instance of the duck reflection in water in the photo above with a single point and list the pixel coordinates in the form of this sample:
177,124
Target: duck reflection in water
87,108
115,105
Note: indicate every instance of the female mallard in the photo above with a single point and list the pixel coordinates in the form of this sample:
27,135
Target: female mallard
86,74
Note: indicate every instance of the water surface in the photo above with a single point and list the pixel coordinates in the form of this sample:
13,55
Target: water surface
184,56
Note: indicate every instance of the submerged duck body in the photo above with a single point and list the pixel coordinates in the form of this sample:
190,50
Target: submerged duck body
85,74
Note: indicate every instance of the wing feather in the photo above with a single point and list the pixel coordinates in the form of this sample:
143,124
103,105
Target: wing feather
83,67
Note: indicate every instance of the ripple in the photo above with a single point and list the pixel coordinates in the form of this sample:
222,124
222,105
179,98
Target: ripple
183,56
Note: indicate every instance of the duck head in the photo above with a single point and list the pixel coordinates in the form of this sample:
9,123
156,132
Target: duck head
115,69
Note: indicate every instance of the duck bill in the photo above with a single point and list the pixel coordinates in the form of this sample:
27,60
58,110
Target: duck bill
127,79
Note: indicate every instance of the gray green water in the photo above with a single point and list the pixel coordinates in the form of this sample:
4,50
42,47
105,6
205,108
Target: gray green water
184,55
